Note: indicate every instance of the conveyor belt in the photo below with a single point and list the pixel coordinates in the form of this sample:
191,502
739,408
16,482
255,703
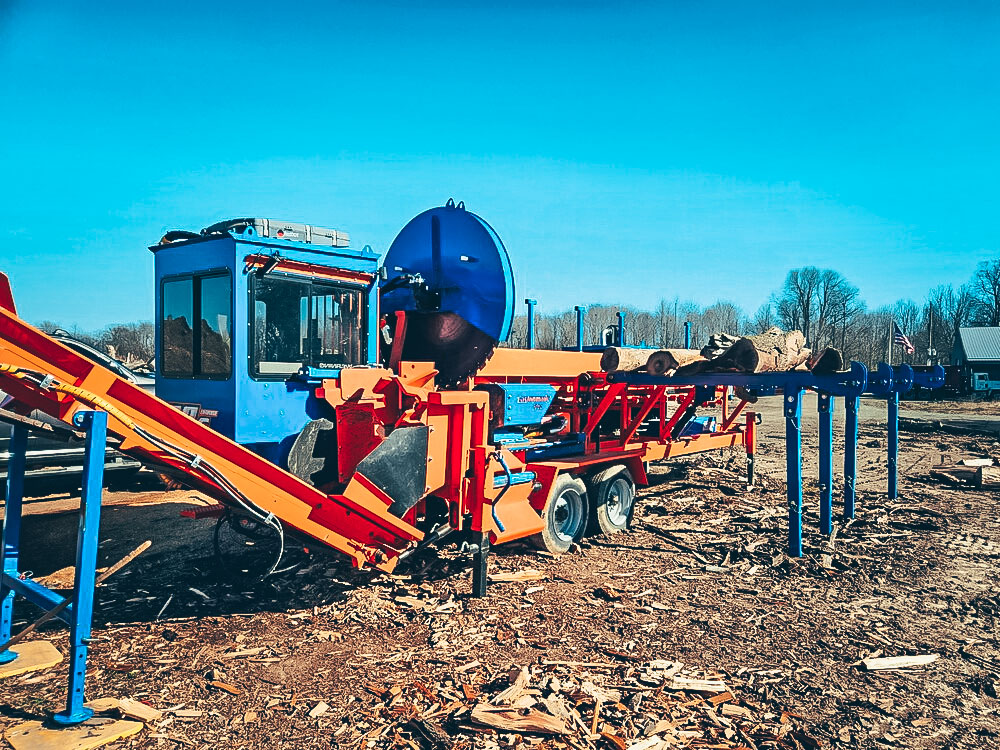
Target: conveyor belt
41,373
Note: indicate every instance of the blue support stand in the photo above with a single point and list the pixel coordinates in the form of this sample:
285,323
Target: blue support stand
793,447
850,454
580,310
531,321
893,444
80,612
12,533
824,405
848,385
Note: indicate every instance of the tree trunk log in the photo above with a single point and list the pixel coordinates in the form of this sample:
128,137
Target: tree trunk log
772,351
623,358
653,361
826,361
667,360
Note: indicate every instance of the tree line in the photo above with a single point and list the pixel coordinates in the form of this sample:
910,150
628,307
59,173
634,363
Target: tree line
821,303
131,343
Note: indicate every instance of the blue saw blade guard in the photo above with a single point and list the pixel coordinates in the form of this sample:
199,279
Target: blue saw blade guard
464,266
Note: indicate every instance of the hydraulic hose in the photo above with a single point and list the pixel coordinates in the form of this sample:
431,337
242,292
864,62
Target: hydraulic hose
510,480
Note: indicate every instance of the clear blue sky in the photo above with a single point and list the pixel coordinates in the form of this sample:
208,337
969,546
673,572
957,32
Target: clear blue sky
624,152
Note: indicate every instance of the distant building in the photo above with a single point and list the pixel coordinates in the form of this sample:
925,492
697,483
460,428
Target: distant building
977,353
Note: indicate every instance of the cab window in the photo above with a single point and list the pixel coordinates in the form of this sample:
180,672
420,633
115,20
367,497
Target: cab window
203,350
300,322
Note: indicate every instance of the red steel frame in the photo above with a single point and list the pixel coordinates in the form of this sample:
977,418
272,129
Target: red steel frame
462,464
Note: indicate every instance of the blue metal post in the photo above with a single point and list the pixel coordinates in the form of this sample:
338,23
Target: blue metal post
793,449
96,424
893,444
12,531
579,327
621,328
687,334
850,454
824,405
531,322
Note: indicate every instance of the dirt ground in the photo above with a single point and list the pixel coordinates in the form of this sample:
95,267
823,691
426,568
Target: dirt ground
703,579
989,407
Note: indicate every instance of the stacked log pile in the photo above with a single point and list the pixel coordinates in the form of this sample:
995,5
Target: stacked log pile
774,350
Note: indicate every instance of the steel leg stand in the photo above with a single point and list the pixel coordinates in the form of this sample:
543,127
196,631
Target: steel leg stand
96,425
850,455
893,445
79,612
480,565
12,532
824,405
793,449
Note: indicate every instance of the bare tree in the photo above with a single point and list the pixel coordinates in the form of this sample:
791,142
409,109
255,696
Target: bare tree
950,309
723,316
764,318
798,300
986,288
837,303
132,343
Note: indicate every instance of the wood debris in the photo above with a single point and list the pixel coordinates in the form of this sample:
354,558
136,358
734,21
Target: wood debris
133,709
518,576
318,710
899,662
645,704
512,720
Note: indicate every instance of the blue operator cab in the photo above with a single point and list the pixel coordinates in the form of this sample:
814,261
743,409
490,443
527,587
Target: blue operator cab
248,312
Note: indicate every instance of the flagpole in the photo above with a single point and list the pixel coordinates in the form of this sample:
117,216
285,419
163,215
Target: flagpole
930,337
888,346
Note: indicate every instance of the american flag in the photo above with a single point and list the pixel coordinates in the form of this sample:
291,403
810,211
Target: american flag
899,338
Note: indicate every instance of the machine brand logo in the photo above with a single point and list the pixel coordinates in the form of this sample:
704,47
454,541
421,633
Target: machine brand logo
532,399
195,411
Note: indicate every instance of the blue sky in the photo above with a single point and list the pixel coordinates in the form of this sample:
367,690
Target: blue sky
624,153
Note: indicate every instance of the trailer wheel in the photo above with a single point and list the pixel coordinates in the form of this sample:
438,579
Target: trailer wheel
565,515
613,496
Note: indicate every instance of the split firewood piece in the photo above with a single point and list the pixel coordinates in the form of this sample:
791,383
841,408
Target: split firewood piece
133,709
680,682
976,462
518,576
899,662
956,473
518,683
987,476
318,710
514,720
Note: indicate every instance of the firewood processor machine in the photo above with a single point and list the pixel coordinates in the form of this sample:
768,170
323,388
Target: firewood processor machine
322,396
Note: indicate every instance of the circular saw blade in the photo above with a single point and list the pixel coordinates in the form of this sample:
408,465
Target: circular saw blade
458,292
456,347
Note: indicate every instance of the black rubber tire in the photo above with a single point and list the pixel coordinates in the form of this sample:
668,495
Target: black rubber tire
612,497
565,515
